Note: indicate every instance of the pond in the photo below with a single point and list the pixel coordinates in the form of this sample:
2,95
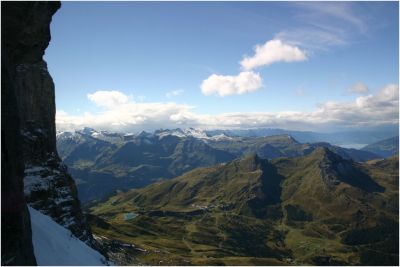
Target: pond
130,216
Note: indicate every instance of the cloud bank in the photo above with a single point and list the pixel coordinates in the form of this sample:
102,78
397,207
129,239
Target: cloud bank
380,109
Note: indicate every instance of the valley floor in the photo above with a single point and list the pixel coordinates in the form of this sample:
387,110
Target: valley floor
221,239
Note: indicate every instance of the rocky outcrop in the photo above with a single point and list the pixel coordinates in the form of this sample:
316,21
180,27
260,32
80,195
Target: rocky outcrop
29,134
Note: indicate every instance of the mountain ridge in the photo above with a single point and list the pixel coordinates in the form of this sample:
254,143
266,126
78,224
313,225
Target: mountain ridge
320,198
122,161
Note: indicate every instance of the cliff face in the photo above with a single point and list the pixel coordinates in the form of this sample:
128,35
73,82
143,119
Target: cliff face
26,35
28,134
16,236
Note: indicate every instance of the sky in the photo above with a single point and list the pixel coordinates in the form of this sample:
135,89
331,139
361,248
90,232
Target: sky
132,66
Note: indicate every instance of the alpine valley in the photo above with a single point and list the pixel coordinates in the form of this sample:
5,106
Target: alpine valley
319,209
193,197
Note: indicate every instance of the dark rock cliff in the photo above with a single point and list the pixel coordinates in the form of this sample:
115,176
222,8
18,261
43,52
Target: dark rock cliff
30,162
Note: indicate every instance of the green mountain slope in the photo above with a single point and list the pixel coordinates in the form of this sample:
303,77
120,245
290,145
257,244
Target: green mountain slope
315,209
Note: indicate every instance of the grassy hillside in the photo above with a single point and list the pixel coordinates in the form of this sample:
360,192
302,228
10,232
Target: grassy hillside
315,209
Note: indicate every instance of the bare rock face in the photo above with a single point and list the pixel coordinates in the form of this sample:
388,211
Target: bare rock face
25,35
16,234
30,161
36,102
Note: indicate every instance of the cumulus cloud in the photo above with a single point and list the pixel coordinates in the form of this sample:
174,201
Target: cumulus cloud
358,88
271,52
380,109
108,99
249,81
174,93
224,85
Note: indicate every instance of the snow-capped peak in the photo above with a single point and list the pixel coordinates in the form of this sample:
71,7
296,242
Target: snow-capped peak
61,135
220,137
88,131
189,132
114,136
197,133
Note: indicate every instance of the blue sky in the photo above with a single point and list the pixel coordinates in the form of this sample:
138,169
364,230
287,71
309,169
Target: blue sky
181,61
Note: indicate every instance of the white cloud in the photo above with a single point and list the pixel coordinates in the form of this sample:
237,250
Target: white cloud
224,85
249,81
376,110
358,88
385,99
174,93
108,99
271,52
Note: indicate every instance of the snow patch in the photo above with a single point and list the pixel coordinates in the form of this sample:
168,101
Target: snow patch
220,137
55,245
60,200
190,132
95,134
37,178
35,183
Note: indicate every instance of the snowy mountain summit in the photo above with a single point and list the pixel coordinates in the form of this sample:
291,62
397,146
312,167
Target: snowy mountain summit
86,132
189,132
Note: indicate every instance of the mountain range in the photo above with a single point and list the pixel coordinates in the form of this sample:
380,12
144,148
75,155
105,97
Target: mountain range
354,138
384,148
102,162
317,209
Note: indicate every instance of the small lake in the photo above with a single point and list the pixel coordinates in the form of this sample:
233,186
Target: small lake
130,216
